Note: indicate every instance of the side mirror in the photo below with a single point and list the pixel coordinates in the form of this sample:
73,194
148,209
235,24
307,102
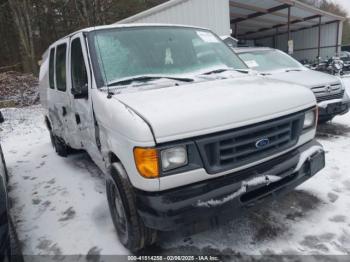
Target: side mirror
2,119
81,92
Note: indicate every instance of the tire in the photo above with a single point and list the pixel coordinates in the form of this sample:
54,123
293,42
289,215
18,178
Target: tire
15,249
132,233
59,145
2,119
2,159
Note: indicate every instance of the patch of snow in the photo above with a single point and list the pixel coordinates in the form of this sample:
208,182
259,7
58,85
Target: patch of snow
306,156
213,203
59,204
261,180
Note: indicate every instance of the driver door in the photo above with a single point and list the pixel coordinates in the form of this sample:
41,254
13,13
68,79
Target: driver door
80,79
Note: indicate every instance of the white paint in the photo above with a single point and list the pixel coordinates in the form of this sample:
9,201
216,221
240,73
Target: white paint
207,37
194,104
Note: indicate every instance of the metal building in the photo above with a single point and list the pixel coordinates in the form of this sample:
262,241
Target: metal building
289,25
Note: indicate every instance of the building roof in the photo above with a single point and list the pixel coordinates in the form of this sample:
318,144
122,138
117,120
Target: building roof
259,18
256,18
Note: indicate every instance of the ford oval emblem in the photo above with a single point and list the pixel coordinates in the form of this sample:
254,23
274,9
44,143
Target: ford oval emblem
262,143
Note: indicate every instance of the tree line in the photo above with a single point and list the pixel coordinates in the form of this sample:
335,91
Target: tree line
28,27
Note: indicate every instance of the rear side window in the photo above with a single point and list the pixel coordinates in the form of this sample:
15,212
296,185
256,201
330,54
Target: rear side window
61,67
79,74
52,69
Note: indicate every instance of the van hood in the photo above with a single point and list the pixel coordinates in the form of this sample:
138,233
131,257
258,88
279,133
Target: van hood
306,77
195,109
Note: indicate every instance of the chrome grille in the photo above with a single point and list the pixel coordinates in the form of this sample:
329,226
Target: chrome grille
235,148
328,92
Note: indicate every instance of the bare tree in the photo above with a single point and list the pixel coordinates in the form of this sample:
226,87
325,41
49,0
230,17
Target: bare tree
23,14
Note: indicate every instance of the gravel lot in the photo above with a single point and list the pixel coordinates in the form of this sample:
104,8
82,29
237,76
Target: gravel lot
60,206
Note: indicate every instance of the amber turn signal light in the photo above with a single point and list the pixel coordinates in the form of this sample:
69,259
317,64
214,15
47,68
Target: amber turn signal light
146,160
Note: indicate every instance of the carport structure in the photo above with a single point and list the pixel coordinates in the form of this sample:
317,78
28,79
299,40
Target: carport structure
312,32
275,23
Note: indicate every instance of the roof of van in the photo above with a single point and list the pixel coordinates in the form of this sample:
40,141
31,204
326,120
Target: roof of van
102,27
251,49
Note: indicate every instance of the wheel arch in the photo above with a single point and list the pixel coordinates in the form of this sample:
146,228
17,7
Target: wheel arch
116,166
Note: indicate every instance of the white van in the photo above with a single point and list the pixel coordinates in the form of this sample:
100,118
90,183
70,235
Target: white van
180,127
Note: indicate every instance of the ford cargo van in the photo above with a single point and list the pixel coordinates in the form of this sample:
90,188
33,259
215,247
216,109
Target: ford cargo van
181,128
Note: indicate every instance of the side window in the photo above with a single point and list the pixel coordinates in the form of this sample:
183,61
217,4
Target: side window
52,69
61,67
79,74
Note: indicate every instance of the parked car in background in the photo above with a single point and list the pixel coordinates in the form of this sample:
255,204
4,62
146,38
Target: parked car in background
9,248
182,131
275,64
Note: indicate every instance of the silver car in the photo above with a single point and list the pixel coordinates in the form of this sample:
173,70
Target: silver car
272,63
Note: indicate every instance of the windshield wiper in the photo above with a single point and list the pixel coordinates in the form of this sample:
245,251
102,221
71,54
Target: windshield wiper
146,78
293,70
221,70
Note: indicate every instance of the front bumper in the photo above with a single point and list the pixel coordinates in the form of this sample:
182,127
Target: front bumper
221,198
332,108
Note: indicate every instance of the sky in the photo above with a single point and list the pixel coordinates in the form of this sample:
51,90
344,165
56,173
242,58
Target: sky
345,4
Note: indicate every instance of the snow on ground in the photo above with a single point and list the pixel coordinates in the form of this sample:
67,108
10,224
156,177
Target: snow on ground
60,206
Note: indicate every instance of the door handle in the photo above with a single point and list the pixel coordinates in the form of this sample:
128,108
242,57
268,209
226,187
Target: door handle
64,111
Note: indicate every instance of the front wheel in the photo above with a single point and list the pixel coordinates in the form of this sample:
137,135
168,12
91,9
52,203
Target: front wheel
132,233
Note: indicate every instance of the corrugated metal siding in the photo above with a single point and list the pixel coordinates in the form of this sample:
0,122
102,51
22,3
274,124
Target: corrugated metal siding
214,15
308,38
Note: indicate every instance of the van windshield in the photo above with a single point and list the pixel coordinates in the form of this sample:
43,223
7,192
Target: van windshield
170,51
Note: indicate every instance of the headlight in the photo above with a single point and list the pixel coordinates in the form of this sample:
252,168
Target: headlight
310,119
174,157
